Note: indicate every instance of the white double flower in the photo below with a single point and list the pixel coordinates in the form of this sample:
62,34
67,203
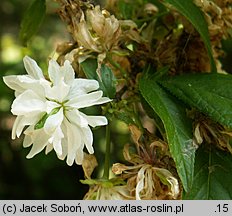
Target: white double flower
50,110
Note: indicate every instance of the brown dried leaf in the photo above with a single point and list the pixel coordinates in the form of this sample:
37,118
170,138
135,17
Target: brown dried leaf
89,164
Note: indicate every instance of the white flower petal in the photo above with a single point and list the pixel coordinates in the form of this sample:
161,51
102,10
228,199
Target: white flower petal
84,100
26,79
102,100
95,121
61,157
27,141
56,140
82,86
16,125
40,140
27,82
32,68
75,117
50,105
64,141
80,155
58,92
53,122
93,103
13,83
72,142
29,133
52,127
68,72
28,103
23,82
37,147
54,72
88,100
21,122
58,73
49,148
88,139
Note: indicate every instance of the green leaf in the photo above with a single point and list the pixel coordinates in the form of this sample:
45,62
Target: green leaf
107,81
32,20
42,121
196,17
212,180
89,67
209,93
177,126
153,115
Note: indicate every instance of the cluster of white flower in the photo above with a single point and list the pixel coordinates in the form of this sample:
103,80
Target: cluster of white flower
49,108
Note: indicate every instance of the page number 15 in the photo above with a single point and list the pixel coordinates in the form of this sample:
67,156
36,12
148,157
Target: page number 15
222,208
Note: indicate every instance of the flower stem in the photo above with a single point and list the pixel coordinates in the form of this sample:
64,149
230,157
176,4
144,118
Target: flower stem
107,153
